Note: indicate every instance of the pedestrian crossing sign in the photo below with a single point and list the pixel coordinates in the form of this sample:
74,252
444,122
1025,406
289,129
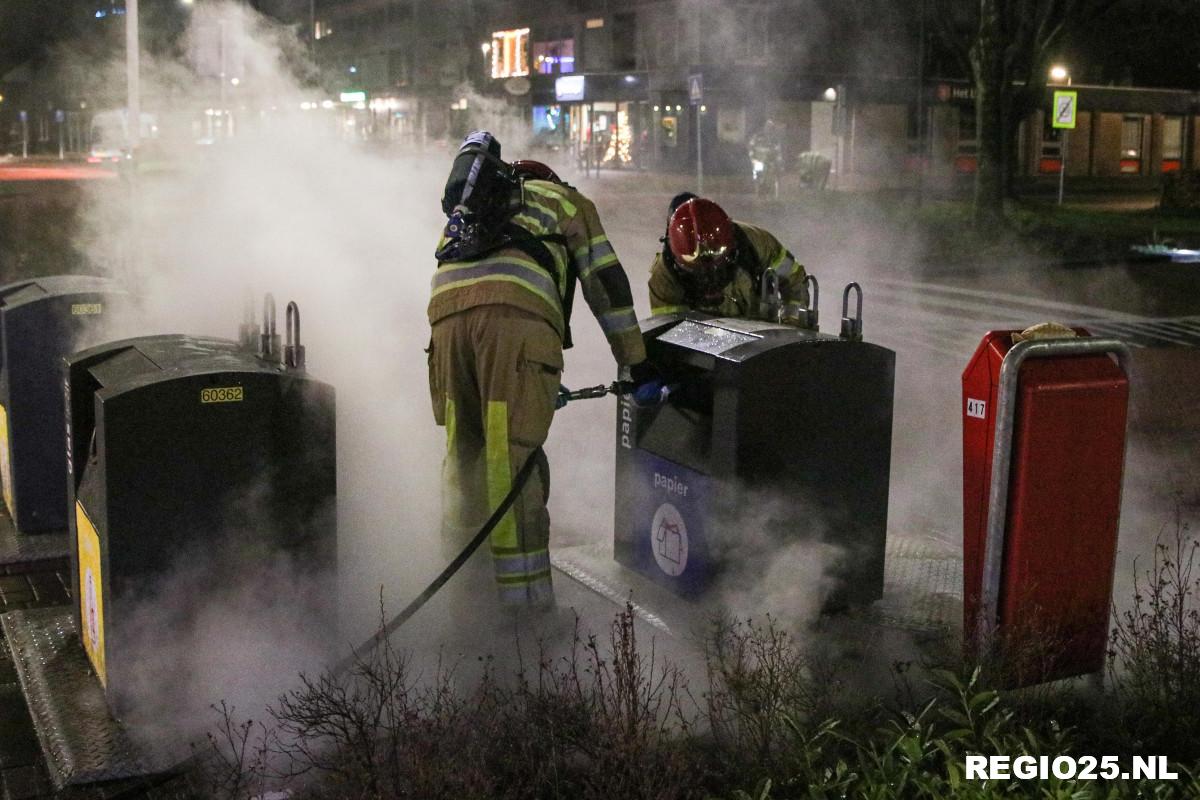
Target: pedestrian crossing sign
1065,106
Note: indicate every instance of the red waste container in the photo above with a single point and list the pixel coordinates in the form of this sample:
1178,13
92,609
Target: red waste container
1043,456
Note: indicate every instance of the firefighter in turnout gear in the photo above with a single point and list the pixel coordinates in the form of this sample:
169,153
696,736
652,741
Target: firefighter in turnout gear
516,241
712,264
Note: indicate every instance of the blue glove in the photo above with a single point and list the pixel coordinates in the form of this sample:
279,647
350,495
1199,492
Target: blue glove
563,397
650,394
647,387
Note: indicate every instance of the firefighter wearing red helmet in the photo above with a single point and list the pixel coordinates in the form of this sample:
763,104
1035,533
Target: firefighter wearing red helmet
713,264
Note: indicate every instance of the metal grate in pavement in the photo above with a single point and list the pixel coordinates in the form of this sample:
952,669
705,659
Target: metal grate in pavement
922,586
81,742
30,552
577,572
33,590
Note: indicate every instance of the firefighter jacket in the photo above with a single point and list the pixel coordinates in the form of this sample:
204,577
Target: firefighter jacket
757,251
567,224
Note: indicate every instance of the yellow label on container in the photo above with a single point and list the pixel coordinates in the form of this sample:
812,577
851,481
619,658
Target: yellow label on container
5,464
222,394
83,309
91,591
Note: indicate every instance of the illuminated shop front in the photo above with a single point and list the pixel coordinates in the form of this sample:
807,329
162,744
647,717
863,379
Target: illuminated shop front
509,52
599,120
392,118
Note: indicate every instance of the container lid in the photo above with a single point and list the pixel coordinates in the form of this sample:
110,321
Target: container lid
119,365
738,339
53,286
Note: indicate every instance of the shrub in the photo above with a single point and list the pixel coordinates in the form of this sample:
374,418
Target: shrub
610,719
1155,648
1181,190
599,722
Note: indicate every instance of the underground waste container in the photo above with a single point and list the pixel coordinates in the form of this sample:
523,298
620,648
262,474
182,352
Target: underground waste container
772,435
41,321
191,453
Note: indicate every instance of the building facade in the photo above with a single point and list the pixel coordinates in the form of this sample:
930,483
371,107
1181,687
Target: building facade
630,84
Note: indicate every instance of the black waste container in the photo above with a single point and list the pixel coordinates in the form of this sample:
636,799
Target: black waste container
41,321
190,451
774,435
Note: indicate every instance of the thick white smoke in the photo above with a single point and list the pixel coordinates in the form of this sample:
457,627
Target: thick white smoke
286,207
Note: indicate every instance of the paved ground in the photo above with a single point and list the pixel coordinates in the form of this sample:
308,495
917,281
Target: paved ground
25,582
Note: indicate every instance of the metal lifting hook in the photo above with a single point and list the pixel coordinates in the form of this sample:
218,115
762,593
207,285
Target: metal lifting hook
770,296
814,293
293,351
852,326
268,342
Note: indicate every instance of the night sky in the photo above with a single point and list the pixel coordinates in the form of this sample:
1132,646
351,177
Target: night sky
1152,43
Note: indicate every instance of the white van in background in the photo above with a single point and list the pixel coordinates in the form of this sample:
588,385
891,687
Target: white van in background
108,138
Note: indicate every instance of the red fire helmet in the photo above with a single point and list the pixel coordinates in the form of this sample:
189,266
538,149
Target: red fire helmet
701,238
528,168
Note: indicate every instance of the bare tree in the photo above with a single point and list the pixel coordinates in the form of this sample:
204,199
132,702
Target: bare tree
1006,46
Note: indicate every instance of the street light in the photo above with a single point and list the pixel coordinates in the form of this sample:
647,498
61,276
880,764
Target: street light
1060,74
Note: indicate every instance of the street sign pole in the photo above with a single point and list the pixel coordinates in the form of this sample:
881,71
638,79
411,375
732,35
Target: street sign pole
1062,169
1062,116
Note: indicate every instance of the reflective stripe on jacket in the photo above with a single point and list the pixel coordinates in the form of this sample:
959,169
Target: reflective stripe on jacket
510,276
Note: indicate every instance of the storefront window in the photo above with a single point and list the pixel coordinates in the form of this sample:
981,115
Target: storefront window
547,118
550,58
1131,145
618,149
510,56
1172,144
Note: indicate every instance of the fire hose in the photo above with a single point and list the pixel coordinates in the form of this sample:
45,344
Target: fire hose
381,635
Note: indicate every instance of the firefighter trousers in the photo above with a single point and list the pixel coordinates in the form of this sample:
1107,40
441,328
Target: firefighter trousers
493,379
